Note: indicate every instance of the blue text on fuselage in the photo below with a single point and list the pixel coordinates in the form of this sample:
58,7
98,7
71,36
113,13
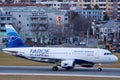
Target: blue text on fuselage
39,52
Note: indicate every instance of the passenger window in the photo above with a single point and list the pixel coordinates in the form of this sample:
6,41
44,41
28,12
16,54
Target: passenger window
107,53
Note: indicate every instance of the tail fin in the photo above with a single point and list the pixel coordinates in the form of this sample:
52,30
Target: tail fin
13,37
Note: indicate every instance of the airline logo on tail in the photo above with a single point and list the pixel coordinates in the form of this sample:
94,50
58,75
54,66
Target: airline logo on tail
13,37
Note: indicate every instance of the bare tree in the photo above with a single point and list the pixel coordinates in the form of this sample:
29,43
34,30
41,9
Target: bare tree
79,24
96,7
9,1
38,28
17,25
54,30
57,33
89,7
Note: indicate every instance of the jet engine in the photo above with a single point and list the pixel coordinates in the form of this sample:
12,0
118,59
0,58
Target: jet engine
68,64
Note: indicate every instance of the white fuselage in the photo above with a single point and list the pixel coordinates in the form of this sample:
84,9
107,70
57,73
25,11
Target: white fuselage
93,55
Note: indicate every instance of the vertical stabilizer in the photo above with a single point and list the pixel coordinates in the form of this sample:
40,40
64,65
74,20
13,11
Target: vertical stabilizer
13,37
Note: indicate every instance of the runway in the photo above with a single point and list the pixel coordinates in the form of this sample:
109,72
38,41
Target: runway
46,71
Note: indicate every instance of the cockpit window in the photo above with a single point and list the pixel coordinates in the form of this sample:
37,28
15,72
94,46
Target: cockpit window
107,53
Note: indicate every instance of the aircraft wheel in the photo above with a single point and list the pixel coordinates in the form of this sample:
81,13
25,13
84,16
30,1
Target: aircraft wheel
55,68
99,69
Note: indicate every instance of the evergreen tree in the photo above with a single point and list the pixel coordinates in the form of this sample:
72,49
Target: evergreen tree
96,7
8,1
106,17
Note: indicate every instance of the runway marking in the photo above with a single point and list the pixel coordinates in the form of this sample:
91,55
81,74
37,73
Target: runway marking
76,75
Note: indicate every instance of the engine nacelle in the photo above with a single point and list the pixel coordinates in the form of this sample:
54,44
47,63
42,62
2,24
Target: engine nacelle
87,65
67,64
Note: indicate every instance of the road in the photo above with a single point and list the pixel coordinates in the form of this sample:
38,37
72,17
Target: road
46,71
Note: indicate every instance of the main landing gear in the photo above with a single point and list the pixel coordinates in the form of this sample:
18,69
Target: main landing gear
99,67
55,68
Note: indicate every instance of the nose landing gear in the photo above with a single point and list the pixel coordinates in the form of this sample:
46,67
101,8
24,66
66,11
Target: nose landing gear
99,67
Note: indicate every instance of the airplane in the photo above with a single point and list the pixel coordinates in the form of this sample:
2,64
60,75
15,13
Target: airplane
64,57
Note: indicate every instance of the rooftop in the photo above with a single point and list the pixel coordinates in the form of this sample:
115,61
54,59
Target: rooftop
29,8
19,5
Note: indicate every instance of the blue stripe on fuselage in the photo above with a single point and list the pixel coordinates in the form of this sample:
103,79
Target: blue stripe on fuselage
79,61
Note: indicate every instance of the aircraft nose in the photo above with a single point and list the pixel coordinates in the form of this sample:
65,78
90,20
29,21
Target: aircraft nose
114,58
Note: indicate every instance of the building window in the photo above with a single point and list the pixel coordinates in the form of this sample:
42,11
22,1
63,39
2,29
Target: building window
2,25
5,12
8,18
50,19
43,18
34,18
19,15
66,18
27,24
19,22
4,40
89,12
60,0
87,0
2,18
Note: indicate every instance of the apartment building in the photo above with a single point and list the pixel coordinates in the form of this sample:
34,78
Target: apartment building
109,6
95,15
59,4
5,18
18,1
30,16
